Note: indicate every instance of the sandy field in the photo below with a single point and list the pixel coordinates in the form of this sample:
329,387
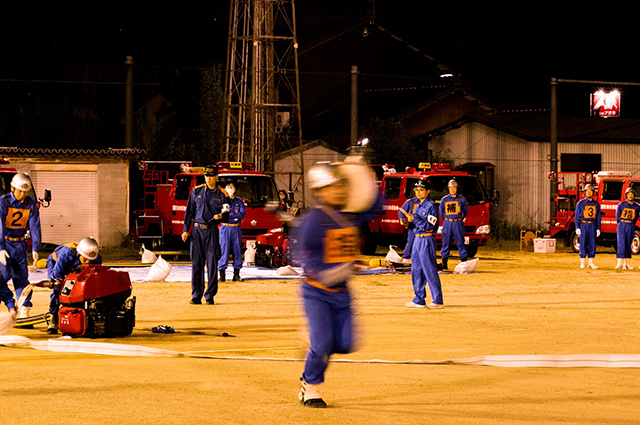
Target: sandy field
517,303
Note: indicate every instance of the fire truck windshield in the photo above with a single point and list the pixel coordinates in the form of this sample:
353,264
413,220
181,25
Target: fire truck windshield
469,187
255,190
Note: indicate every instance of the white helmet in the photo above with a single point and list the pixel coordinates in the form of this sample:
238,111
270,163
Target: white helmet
21,181
88,248
452,183
321,175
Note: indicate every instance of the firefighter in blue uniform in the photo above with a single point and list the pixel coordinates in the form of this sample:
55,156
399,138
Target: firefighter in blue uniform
453,210
410,207
626,216
60,263
424,266
587,221
18,212
231,234
328,243
203,214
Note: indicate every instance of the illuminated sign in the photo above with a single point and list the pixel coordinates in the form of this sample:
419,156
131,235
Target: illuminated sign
605,104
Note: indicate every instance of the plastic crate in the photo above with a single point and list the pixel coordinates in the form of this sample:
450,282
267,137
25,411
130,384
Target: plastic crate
544,245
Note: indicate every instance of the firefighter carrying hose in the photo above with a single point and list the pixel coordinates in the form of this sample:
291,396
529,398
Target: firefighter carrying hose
588,226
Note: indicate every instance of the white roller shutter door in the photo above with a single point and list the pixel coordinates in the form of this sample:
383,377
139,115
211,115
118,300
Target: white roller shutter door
73,213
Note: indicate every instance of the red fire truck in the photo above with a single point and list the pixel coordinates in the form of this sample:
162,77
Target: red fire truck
159,224
609,192
398,187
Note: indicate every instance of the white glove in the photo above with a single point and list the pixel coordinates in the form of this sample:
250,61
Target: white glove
432,219
35,257
225,208
3,257
578,232
597,233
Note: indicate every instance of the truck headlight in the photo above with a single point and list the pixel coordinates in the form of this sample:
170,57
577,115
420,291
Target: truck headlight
483,230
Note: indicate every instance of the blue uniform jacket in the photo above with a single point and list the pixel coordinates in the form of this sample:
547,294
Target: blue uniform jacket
587,211
64,259
410,207
16,217
627,212
329,243
453,208
422,213
202,205
236,210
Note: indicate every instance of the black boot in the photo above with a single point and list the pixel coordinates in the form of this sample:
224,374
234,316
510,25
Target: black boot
236,275
463,259
223,276
445,260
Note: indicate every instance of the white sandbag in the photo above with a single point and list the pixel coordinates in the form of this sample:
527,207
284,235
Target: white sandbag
159,271
393,256
148,257
286,271
466,266
363,189
250,254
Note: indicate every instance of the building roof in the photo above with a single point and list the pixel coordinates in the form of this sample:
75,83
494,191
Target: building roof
72,153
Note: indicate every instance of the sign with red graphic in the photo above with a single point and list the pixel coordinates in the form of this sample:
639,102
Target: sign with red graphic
605,104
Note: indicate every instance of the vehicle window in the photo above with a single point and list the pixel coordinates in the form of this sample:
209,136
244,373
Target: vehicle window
636,188
612,190
392,188
468,186
408,189
254,190
183,187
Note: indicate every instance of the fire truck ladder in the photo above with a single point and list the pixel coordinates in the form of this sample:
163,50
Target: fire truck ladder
262,95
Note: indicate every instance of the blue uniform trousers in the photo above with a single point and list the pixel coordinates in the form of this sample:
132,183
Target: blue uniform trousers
17,269
330,322
424,269
204,249
453,229
625,234
6,296
54,299
230,243
411,235
588,238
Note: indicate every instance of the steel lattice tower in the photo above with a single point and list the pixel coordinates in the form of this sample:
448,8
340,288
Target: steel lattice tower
262,93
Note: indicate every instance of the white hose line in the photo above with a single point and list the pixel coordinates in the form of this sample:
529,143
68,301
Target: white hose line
68,345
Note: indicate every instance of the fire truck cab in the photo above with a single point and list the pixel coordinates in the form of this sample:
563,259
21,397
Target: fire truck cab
609,191
398,187
159,225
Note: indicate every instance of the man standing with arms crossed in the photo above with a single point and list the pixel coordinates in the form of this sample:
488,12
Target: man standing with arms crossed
204,212
453,210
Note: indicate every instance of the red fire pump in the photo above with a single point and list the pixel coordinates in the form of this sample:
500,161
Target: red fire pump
95,301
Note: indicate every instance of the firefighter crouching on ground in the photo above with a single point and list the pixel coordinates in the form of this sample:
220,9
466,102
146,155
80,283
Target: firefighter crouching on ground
328,244
424,266
60,263
588,226
453,210
231,234
626,216
204,211
18,211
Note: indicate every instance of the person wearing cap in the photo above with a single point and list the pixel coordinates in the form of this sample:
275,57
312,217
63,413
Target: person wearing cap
328,244
231,233
18,212
201,218
424,266
60,263
409,206
453,210
587,221
626,217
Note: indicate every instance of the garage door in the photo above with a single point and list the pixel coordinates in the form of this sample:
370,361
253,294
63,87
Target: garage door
73,213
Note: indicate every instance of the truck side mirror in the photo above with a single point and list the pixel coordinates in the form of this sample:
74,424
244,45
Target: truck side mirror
47,198
496,198
290,196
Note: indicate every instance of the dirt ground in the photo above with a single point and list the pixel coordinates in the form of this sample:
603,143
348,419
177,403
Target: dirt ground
516,303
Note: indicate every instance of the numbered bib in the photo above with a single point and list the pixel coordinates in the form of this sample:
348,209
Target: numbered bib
590,211
341,245
16,218
451,208
628,214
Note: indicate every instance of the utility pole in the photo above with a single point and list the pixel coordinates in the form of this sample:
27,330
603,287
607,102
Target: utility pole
262,95
354,106
128,120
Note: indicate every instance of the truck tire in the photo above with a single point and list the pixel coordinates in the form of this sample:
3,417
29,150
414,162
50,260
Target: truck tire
574,241
472,250
368,243
635,243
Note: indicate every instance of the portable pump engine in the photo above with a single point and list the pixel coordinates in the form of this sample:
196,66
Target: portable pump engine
96,301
